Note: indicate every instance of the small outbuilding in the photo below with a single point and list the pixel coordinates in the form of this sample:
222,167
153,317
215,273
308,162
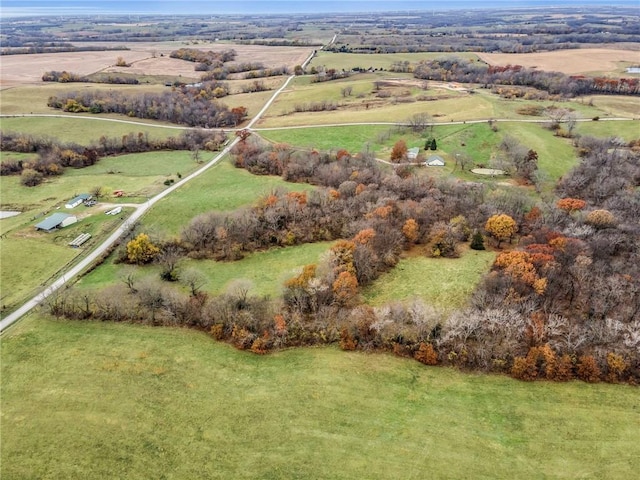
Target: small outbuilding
434,161
75,201
57,220
412,153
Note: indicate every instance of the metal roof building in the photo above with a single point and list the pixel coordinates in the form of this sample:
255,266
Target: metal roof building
57,220
74,202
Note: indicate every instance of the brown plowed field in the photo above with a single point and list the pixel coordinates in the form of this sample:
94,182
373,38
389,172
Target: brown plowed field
571,62
28,69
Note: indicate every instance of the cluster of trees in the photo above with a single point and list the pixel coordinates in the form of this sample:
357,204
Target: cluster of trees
190,105
205,60
562,304
268,72
467,71
221,73
319,106
324,75
53,156
69,77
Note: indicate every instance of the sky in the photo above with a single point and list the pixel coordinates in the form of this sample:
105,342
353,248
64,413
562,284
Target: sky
9,8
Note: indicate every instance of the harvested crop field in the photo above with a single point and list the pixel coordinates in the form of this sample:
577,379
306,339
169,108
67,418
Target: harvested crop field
571,62
28,69
145,58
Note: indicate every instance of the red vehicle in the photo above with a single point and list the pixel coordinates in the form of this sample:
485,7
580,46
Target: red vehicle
118,193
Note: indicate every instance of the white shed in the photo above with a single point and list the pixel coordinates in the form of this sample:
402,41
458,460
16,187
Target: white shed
74,202
412,153
434,161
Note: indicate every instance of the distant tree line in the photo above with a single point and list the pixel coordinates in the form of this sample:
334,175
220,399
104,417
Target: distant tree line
54,156
467,71
282,42
564,303
189,105
18,48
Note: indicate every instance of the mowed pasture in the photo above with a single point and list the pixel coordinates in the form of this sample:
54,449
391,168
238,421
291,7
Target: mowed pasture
262,273
86,129
112,400
353,138
444,283
627,131
404,96
593,61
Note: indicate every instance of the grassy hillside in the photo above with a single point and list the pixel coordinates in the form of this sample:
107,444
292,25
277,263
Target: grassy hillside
97,400
220,188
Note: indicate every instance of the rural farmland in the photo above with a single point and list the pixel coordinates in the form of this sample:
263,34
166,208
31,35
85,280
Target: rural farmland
320,245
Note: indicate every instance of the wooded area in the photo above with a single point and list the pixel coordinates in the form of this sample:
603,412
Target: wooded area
561,303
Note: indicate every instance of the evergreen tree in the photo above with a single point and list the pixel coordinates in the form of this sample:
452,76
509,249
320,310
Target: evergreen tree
477,241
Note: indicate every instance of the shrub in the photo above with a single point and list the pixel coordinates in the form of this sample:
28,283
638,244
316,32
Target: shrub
30,177
588,369
524,368
563,371
616,367
426,354
601,219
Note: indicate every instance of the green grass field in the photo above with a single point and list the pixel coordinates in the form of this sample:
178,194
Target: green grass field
556,155
86,131
617,105
27,263
101,400
353,138
222,188
445,283
139,175
626,130
265,272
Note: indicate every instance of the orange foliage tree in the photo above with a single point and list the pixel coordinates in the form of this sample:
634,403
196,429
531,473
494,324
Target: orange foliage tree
571,204
399,151
410,230
588,369
345,288
519,265
363,237
426,354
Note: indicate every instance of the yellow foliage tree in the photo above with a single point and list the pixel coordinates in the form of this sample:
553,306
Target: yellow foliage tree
141,250
501,227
